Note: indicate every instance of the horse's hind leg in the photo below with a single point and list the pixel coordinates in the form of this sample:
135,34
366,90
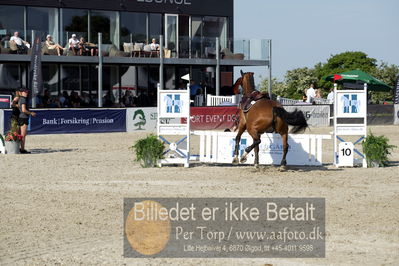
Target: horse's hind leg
256,149
282,129
284,138
241,130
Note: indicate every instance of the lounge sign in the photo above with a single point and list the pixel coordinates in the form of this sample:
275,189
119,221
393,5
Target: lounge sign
189,7
171,2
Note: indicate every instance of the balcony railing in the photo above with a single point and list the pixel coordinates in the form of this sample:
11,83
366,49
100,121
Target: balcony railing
183,47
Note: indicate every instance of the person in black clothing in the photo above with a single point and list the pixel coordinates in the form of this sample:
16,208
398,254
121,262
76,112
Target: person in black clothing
15,113
23,120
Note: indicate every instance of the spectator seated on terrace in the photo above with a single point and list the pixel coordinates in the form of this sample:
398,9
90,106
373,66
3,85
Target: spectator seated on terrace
154,46
51,48
227,54
17,45
149,52
87,48
74,44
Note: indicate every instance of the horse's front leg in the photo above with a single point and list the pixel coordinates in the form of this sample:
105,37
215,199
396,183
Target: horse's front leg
237,146
241,129
256,142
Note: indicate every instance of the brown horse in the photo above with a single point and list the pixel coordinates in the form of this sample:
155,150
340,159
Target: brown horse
265,115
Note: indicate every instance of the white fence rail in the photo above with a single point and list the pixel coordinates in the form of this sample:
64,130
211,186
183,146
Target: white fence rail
286,101
322,101
212,100
218,147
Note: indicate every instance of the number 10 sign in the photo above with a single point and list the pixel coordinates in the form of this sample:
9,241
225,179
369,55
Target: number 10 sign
345,154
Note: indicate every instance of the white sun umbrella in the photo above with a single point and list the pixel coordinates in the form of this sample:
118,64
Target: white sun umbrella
129,82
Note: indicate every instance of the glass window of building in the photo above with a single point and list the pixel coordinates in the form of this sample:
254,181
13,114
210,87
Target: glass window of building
73,21
155,26
170,78
70,78
215,27
110,81
184,36
133,27
42,21
11,76
153,81
10,24
105,22
196,37
80,80
129,84
50,75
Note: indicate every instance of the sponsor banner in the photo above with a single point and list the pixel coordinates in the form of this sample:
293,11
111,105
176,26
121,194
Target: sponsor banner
75,121
380,114
224,228
210,118
5,101
221,118
396,121
141,119
35,75
316,115
270,149
145,119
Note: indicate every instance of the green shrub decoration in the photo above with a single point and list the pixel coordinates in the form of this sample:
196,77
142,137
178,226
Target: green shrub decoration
377,149
148,151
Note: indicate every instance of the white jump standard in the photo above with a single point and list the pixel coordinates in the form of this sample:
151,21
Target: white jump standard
350,105
174,104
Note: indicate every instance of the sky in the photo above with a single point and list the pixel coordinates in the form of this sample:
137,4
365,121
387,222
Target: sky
306,32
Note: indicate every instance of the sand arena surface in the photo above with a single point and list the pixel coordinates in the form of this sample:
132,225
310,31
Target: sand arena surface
63,203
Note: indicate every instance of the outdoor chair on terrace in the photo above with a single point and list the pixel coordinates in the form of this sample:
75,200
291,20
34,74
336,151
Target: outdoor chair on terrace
227,54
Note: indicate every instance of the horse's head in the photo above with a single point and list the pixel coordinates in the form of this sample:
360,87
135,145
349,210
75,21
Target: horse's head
248,82
236,86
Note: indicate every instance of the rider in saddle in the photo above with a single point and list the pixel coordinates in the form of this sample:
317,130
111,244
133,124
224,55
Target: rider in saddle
249,99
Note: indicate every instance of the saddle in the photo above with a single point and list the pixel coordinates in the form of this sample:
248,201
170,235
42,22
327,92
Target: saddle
249,100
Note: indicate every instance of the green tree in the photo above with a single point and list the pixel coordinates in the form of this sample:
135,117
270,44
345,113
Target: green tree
343,62
294,84
388,74
278,87
297,81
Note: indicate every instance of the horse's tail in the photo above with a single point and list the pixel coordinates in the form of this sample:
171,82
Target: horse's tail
295,119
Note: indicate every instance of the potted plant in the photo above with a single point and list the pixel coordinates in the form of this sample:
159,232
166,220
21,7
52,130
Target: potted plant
12,142
377,149
149,150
